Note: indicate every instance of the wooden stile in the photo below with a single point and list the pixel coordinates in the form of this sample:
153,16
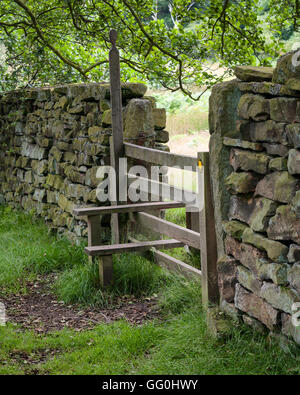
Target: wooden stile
200,230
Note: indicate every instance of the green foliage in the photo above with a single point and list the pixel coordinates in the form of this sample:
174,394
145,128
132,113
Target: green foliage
27,249
169,43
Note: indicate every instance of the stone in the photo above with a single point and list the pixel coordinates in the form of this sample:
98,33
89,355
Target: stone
254,324
256,307
106,118
152,100
243,182
293,275
39,195
28,177
256,261
280,297
74,175
278,164
241,208
242,144
77,191
227,277
284,225
248,281
283,109
161,136
294,161
40,167
279,186
22,162
255,107
56,153
264,209
293,84
289,329
33,151
294,253
267,131
230,310
296,204
70,157
54,181
254,73
275,250
267,88
287,67
65,204
52,197
248,160
43,141
160,118
223,104
234,229
91,178
293,134
138,119
276,149
218,324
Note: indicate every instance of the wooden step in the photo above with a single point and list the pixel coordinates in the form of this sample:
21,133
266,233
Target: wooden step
126,208
132,247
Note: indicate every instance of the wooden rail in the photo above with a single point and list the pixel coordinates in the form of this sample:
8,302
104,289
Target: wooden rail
186,236
158,157
161,190
126,208
132,247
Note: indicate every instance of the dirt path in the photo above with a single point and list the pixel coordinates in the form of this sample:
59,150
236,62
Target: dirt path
40,310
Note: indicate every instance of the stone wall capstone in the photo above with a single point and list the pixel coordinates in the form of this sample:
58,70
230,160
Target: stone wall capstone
53,139
255,172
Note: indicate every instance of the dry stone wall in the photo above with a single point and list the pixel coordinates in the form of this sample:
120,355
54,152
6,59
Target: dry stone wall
53,139
255,173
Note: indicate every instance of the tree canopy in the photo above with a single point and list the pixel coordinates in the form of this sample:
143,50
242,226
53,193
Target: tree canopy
171,43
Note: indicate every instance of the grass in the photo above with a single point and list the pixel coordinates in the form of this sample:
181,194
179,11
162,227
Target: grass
178,343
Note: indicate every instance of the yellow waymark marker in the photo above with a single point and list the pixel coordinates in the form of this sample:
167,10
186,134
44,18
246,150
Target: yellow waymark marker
199,163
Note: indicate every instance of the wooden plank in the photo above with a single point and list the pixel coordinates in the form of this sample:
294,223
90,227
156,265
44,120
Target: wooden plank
94,227
94,239
131,247
158,157
170,263
167,228
161,190
210,291
176,265
116,141
126,208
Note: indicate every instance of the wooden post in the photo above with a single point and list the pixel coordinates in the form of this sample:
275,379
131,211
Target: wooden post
210,291
116,142
94,239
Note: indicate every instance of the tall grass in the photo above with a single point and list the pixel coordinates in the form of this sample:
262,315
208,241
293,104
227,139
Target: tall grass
184,115
133,275
28,249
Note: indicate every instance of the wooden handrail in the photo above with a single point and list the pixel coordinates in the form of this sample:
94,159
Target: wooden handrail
158,157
